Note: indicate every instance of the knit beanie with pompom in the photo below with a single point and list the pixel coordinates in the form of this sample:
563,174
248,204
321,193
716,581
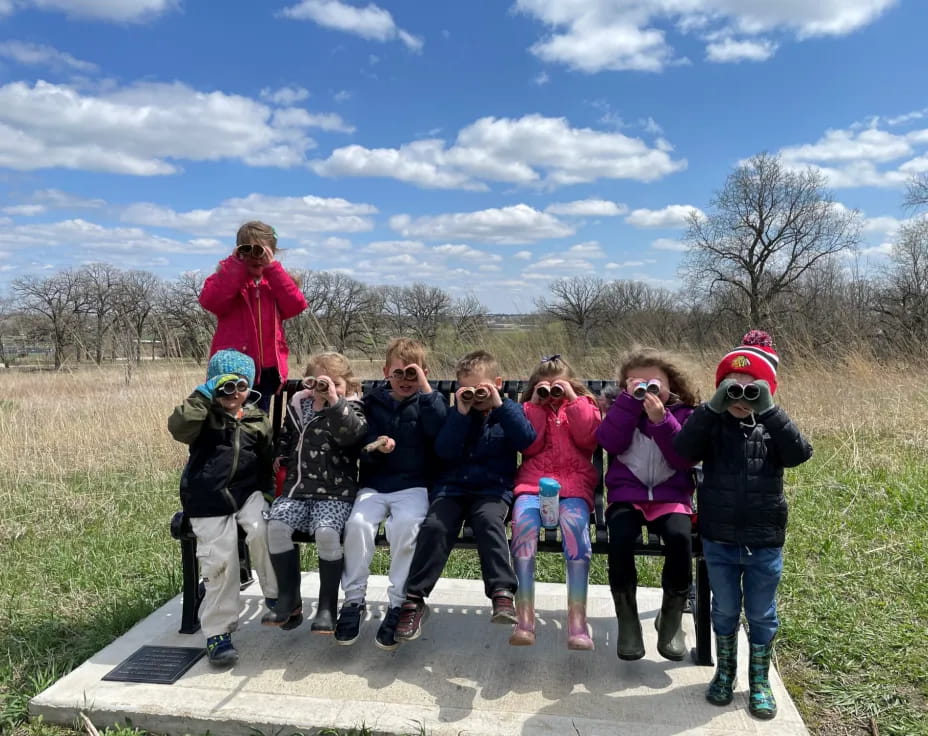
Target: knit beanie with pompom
756,356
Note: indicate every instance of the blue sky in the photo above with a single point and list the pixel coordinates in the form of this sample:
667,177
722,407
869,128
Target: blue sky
486,147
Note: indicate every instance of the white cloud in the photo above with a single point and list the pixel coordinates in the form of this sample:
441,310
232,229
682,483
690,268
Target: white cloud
671,216
34,54
290,216
83,234
466,253
598,35
523,255
394,246
116,11
541,79
590,249
668,244
285,96
343,95
532,151
588,207
142,129
508,225
730,50
371,22
615,266
24,210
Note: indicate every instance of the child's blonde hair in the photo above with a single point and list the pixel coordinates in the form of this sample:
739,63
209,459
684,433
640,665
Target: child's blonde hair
407,350
334,365
681,388
554,366
478,361
257,231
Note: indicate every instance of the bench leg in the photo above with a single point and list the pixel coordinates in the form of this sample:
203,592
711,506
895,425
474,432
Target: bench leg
702,654
190,619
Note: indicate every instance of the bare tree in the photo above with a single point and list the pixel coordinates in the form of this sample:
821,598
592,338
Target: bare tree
578,301
183,321
56,300
902,304
917,194
469,318
6,320
768,226
346,311
100,285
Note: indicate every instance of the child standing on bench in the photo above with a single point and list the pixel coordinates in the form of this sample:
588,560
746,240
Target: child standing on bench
478,447
565,416
744,441
397,467
319,447
649,484
222,488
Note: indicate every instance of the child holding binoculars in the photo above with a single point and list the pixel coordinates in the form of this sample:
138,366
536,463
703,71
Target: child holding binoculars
222,488
744,442
319,447
649,483
251,294
565,416
478,447
404,415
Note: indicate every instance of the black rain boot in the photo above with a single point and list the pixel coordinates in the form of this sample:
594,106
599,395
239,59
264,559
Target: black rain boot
630,643
721,689
669,625
762,704
288,612
330,575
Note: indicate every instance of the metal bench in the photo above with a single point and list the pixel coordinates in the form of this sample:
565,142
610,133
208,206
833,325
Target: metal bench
549,540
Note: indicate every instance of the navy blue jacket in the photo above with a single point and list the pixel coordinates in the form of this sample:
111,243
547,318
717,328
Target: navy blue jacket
478,452
741,499
413,424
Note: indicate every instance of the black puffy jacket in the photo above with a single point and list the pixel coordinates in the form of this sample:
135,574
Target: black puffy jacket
741,499
229,458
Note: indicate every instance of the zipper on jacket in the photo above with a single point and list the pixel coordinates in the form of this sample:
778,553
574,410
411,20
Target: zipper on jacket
236,447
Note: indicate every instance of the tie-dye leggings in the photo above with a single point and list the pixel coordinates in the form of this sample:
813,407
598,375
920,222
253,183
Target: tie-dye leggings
573,519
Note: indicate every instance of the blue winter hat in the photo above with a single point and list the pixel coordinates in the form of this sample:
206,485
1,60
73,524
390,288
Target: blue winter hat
231,361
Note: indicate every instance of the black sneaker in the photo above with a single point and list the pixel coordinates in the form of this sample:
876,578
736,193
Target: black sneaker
412,614
348,627
386,634
220,650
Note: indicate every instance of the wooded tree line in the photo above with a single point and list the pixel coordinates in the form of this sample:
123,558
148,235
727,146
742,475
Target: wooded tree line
774,251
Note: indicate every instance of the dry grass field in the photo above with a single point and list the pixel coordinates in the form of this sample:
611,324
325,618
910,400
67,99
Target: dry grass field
88,478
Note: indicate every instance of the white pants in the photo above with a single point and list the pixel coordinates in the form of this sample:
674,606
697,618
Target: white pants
403,511
217,553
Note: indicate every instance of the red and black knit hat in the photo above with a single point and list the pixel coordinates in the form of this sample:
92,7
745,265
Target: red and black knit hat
756,356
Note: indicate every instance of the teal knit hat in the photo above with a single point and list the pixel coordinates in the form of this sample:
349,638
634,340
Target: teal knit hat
231,361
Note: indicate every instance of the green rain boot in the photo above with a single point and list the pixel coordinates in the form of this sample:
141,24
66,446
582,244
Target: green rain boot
523,633
669,624
762,704
630,645
721,689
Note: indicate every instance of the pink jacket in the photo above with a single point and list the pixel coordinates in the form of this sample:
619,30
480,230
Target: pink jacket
562,449
250,316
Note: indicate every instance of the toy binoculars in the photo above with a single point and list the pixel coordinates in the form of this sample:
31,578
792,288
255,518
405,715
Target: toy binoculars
250,250
230,387
409,373
317,384
746,391
643,389
474,394
555,392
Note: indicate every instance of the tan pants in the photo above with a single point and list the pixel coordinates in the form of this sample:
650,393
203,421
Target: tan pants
217,553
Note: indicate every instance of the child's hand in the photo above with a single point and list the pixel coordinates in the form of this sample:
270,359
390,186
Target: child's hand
383,444
654,408
462,404
208,388
569,393
495,399
764,401
720,400
327,398
422,378
536,399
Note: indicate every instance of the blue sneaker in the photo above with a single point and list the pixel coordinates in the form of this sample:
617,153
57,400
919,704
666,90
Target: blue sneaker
220,650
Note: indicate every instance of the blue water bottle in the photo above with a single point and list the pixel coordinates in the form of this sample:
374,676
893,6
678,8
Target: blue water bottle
549,497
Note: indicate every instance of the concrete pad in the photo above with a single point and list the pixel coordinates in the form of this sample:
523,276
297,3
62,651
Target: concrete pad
461,678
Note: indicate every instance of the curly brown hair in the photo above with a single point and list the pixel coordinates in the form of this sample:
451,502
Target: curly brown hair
681,387
552,367
334,365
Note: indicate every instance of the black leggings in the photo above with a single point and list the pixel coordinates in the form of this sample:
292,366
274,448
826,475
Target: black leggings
625,522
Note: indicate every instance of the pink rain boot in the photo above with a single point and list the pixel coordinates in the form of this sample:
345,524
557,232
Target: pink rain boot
578,578
523,633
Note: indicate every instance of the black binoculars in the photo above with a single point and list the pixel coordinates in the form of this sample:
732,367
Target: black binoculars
474,394
409,373
746,391
230,387
643,389
555,392
318,384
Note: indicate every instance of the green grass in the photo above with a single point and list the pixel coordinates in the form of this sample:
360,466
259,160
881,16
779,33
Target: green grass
88,555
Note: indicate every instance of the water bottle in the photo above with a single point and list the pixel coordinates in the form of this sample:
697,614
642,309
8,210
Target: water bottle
548,494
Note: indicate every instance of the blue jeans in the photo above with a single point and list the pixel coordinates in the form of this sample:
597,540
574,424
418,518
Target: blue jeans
749,573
